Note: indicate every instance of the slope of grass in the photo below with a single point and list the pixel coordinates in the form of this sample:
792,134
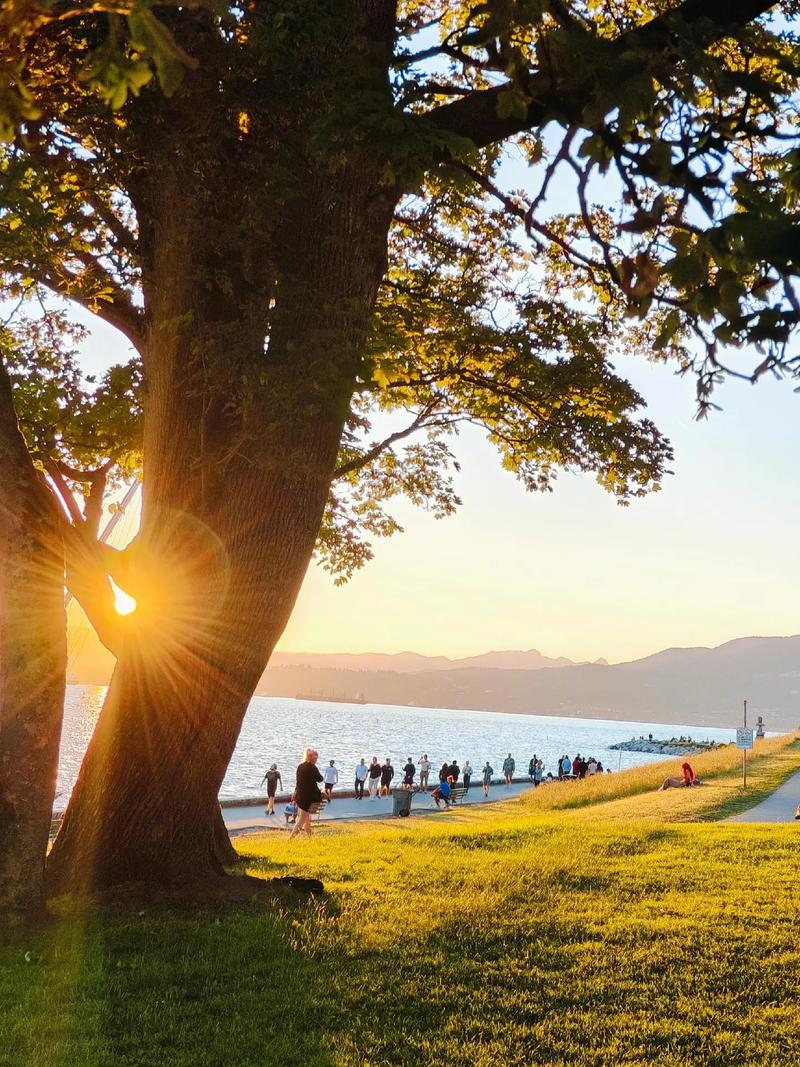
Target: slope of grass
513,935
721,772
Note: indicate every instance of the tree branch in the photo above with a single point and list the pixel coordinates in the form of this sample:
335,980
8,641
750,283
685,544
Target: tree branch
475,116
63,490
88,581
367,457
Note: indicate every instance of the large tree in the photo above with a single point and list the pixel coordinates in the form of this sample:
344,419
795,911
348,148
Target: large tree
57,434
305,223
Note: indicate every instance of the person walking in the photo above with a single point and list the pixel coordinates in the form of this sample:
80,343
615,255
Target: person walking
466,776
487,774
387,773
538,773
306,791
566,766
531,767
273,779
362,770
509,766
454,772
374,777
408,773
424,771
331,779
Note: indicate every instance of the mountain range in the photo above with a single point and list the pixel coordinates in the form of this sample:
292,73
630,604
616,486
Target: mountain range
697,686
411,662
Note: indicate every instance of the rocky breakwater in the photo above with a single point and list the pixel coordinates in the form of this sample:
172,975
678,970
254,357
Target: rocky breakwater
676,746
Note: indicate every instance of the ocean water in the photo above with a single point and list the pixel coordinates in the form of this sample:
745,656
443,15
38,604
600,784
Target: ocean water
277,730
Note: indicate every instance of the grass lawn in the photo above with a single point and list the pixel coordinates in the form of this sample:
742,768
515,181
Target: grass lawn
633,929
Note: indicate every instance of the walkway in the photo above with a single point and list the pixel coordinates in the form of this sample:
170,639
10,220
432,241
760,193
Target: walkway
245,818
779,806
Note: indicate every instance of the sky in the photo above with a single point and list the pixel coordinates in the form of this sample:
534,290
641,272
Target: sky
711,557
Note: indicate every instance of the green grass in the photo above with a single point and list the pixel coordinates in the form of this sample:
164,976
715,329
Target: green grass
618,933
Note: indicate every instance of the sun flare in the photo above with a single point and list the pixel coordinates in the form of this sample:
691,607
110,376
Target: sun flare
123,603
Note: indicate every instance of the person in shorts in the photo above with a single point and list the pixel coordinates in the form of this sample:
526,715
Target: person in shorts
374,777
408,773
509,766
273,780
331,779
487,774
424,771
387,773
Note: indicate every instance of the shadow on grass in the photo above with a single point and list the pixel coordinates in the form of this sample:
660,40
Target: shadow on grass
223,986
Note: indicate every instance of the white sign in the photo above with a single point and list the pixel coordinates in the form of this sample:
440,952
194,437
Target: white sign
744,737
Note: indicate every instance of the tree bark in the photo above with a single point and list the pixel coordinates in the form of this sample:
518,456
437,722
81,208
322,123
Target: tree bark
240,442
32,666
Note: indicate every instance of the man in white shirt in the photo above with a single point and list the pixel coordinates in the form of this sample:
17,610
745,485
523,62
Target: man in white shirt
424,768
331,779
362,770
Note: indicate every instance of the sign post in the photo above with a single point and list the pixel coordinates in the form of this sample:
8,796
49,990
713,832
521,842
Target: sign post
744,741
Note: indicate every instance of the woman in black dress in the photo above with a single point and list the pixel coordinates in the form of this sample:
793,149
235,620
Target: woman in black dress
306,791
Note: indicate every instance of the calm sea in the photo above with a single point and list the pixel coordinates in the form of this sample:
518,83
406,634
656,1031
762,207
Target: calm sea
277,730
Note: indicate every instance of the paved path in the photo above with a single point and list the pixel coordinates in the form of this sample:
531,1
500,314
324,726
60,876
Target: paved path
246,818
779,806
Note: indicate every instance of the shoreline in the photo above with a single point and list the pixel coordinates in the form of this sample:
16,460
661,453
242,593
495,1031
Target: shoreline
712,720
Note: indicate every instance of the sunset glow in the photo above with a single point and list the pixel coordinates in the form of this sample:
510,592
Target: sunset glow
124,604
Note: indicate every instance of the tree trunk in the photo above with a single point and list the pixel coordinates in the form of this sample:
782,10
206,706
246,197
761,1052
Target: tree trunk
240,440
32,666
224,851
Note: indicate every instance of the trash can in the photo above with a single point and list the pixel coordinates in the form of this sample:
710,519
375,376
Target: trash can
401,802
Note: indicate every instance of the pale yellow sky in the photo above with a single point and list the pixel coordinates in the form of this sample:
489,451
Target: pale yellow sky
710,558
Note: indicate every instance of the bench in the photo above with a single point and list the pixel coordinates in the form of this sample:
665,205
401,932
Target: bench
314,809
456,794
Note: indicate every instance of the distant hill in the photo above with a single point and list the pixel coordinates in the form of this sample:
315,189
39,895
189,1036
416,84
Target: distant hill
408,662
702,686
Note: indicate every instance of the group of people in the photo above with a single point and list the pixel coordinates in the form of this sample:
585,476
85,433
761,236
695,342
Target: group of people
579,767
376,778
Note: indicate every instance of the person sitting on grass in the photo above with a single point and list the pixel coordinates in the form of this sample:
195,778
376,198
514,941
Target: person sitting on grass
442,792
686,778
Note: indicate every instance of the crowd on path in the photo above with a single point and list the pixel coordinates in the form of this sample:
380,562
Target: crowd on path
376,779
